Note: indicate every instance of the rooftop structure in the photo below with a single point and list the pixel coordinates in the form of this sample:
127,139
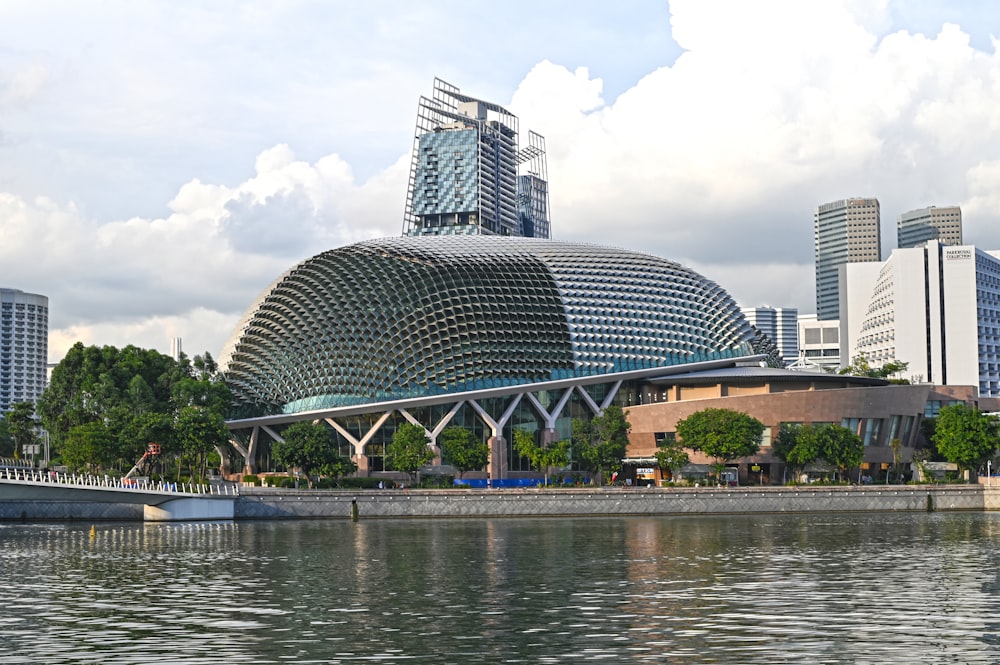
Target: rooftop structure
469,176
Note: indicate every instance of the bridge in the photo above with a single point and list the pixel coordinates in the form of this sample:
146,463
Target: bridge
162,501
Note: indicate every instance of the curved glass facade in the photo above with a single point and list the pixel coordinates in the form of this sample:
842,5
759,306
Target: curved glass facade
405,317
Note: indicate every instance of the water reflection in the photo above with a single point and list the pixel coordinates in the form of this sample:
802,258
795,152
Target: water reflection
918,588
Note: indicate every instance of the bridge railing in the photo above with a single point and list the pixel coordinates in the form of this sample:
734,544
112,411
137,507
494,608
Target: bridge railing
107,482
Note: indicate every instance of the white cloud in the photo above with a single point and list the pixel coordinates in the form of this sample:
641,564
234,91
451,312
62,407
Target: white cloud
145,281
773,109
153,194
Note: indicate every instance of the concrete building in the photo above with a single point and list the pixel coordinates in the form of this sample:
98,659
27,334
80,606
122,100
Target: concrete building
876,411
819,344
24,346
469,175
915,227
935,307
781,325
845,231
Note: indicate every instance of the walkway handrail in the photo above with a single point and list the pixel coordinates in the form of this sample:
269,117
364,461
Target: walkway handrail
38,476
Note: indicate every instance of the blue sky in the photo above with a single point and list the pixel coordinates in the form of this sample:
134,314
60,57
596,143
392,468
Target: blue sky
162,162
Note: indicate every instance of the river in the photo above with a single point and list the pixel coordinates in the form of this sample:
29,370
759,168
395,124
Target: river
827,588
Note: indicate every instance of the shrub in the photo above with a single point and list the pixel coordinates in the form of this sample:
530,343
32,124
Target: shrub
251,479
361,482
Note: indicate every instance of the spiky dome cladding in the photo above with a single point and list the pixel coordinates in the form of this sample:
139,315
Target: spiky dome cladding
404,317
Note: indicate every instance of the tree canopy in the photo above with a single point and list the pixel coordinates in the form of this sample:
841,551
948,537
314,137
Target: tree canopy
462,449
309,447
723,434
543,458
861,367
409,449
21,426
799,445
137,396
965,436
599,445
670,455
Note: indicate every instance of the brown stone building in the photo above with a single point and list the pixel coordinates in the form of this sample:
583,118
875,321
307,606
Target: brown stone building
874,409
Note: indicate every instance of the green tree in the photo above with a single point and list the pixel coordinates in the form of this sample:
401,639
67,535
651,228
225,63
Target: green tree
670,455
338,467
134,392
796,446
308,447
897,456
599,445
85,447
861,367
409,449
462,449
722,434
965,436
21,426
840,447
542,458
6,440
200,432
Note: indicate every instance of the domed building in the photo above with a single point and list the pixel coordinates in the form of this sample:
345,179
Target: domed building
492,333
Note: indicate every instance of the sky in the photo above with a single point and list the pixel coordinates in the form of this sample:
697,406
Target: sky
162,162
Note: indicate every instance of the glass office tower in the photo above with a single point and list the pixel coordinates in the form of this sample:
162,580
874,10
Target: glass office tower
468,175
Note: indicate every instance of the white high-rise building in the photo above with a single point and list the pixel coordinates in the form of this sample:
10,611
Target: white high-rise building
24,346
781,325
916,227
935,307
846,231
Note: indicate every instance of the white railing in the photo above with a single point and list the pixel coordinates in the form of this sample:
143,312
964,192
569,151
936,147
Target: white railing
37,476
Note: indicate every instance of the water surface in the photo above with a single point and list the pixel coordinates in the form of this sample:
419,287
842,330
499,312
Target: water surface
854,588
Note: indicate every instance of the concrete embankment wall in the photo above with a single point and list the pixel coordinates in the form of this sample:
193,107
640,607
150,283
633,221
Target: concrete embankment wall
300,504
271,504
51,511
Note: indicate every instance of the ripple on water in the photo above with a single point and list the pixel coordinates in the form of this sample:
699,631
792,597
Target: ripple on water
913,588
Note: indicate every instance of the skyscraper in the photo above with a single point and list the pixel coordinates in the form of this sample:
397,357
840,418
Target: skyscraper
24,346
468,174
781,324
916,227
846,231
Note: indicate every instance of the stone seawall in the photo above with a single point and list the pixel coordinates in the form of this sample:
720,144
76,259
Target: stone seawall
276,504
303,504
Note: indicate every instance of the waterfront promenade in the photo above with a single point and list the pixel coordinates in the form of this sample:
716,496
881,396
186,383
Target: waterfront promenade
293,504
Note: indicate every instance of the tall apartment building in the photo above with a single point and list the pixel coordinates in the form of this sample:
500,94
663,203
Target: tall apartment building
935,307
24,346
916,227
846,231
468,174
781,325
